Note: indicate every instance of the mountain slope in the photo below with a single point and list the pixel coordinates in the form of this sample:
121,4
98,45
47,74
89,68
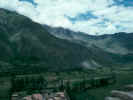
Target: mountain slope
115,49
24,43
119,43
29,47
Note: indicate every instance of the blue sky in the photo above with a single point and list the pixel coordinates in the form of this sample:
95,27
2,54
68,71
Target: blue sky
89,16
126,3
30,1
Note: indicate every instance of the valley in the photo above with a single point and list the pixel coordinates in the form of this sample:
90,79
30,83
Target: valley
78,84
41,61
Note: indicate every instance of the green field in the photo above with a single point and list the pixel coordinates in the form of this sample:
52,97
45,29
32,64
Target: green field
124,77
5,86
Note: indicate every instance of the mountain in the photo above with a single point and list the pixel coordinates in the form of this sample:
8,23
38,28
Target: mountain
119,43
116,48
28,47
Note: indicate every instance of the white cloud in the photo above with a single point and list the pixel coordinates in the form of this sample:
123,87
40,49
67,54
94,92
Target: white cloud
112,18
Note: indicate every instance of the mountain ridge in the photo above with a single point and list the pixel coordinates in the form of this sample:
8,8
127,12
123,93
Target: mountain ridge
113,43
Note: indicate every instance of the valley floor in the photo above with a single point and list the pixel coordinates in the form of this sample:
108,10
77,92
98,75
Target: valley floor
124,77
76,89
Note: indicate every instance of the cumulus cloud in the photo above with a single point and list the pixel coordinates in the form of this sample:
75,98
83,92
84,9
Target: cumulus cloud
102,16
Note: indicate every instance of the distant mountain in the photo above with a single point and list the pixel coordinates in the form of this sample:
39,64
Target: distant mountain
117,48
29,47
119,43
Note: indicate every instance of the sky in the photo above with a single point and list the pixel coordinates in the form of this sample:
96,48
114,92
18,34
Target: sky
89,16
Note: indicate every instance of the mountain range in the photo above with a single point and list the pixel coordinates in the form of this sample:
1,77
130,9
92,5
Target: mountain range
118,43
118,47
28,46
